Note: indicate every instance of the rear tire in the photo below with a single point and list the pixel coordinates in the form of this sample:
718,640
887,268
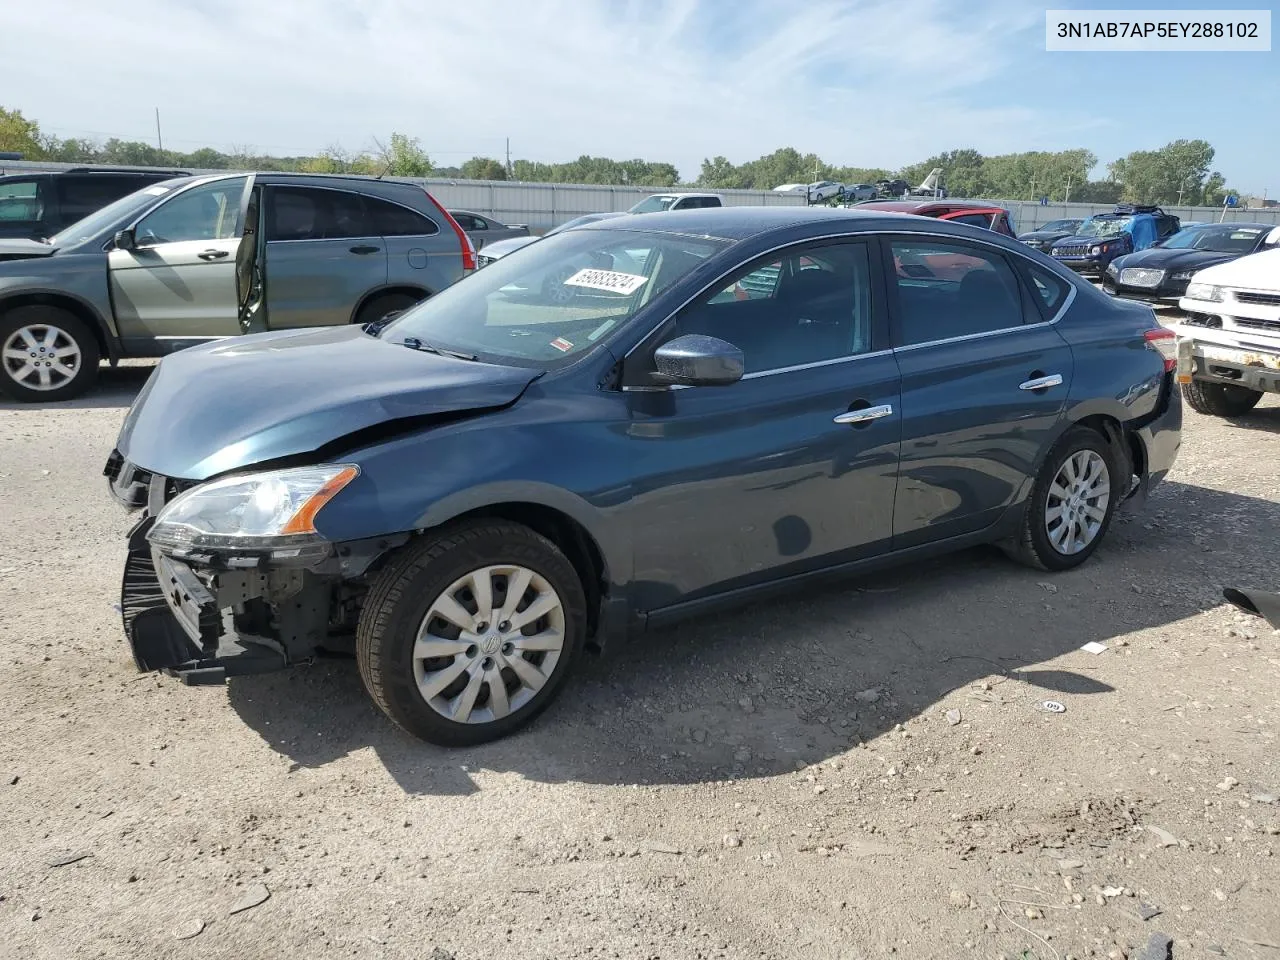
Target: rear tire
1066,518
383,304
453,685
47,354
1220,399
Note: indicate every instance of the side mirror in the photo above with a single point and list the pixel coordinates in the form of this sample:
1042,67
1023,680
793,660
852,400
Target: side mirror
125,240
1273,238
695,360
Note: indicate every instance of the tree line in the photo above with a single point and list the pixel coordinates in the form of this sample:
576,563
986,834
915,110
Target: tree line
1178,172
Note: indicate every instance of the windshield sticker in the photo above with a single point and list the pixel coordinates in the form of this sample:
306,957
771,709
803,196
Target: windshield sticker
156,191
561,344
623,283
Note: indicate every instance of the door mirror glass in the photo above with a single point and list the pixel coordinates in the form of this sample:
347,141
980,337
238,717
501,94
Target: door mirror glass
124,240
695,360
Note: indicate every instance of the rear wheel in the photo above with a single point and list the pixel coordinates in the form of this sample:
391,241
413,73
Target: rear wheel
383,304
1071,505
469,634
46,354
1220,399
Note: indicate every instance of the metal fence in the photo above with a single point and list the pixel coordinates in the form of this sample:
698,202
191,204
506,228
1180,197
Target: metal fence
545,205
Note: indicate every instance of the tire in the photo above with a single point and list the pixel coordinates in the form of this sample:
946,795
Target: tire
381,305
33,330
416,584
556,290
1220,399
1034,543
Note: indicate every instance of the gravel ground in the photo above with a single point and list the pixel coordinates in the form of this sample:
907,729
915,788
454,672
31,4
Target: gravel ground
860,771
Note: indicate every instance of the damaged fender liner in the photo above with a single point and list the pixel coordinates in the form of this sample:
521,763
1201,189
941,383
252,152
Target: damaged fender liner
173,616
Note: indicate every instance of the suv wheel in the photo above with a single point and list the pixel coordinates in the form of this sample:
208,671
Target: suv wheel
468,634
46,354
1220,399
1071,504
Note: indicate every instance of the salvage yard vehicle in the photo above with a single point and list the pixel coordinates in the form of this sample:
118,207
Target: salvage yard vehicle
1160,274
1229,338
661,202
198,259
483,230
1105,236
473,493
1044,237
495,251
976,213
36,205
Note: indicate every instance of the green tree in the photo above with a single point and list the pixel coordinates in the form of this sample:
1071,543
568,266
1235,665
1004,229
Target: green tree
1097,191
20,135
1160,176
483,168
403,156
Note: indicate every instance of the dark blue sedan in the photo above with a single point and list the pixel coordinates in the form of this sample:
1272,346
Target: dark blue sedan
619,426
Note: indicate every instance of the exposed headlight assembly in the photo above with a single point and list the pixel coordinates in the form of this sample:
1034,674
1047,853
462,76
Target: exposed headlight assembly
1204,291
1184,275
1112,269
272,512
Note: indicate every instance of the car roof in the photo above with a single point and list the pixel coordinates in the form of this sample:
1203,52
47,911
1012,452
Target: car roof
915,206
741,223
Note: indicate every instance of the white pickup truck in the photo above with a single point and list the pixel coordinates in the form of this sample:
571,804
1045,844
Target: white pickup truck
1229,336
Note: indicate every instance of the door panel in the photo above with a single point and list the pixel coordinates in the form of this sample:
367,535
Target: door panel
183,289
971,435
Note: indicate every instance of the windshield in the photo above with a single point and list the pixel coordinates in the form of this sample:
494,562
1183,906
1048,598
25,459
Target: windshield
1104,226
122,209
1225,239
547,302
653,205
1061,225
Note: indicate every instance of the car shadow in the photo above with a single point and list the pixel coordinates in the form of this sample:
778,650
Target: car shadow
1258,420
785,683
116,388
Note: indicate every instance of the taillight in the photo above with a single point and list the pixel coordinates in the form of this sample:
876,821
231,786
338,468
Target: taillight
468,248
1164,342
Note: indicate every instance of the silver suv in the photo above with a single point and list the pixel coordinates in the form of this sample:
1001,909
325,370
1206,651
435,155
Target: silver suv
196,259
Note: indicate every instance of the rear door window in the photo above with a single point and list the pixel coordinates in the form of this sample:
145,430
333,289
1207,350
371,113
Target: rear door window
948,289
310,213
973,219
1050,289
394,220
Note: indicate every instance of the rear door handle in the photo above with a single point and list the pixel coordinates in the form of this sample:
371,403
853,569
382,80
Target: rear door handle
365,248
866,414
213,254
1042,383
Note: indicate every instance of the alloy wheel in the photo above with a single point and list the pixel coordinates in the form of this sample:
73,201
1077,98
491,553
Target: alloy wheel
1077,503
41,356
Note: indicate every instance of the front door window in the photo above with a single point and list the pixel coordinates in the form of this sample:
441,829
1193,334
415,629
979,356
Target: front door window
210,211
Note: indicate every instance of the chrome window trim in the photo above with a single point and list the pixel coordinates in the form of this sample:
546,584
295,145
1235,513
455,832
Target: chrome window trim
860,234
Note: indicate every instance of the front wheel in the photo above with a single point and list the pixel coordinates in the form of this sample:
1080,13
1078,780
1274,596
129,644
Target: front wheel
468,635
46,354
1071,504
1220,399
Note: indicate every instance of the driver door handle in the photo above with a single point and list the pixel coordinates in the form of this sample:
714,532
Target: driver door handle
1042,383
865,414
365,248
213,254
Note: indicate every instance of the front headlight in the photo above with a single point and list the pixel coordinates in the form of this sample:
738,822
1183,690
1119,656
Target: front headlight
1204,291
1112,269
273,511
1094,251
1184,275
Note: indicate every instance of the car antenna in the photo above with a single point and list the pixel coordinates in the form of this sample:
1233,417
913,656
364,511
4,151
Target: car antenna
385,170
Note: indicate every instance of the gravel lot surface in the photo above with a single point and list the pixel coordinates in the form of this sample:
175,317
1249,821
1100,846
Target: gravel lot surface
860,771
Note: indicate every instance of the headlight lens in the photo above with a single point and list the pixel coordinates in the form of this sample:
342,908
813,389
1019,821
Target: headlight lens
1204,291
260,511
1094,251
1184,275
1112,269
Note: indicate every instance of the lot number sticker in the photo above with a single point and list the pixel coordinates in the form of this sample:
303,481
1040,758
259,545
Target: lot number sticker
623,283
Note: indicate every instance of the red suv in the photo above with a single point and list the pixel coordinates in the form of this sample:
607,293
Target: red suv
973,212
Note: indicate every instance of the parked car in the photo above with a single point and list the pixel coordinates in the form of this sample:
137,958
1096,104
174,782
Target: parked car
1160,273
495,251
1229,337
660,202
166,268
36,205
485,230
976,213
1105,236
896,187
860,191
1044,237
487,486
823,190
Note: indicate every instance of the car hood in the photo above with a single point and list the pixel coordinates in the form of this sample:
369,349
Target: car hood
500,248
1159,258
18,248
1044,235
1084,238
246,400
1257,271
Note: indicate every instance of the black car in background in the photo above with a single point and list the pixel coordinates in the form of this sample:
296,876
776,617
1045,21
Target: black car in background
1043,238
37,205
1161,273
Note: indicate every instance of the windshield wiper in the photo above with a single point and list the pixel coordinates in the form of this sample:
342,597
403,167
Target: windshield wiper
414,343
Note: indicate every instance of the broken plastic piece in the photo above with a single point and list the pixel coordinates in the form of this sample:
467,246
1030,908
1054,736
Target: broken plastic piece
1093,646
1054,706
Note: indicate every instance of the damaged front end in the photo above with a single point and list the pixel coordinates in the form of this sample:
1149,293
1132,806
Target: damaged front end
262,593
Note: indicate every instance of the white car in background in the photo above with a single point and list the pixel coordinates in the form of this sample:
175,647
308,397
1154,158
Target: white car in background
816,192
1229,336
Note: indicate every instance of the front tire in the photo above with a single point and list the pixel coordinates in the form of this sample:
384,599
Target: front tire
1220,399
469,634
46,354
1071,504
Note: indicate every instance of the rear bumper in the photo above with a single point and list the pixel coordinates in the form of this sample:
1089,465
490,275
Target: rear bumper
1160,296
1161,438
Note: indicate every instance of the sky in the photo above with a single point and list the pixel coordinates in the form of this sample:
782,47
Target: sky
874,83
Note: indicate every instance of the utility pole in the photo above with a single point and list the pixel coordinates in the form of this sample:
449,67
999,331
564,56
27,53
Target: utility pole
1067,198
508,158
159,139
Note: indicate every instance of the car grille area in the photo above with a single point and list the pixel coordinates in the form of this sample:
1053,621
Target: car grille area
1261,299
1141,277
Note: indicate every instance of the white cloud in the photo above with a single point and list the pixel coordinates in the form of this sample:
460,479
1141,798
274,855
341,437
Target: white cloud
871,82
